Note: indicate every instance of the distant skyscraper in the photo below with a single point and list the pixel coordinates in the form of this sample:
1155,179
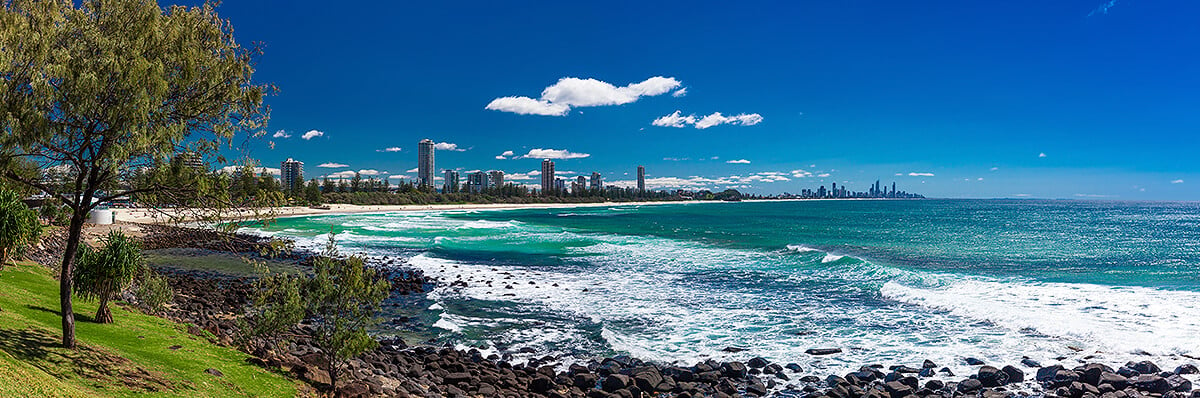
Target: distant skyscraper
477,181
833,191
641,179
451,178
560,184
191,160
291,174
497,178
580,184
597,182
893,189
425,162
547,176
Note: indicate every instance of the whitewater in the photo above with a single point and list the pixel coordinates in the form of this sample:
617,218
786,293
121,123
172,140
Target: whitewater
888,282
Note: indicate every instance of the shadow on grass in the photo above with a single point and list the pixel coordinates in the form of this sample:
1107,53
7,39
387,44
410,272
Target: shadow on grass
78,317
42,349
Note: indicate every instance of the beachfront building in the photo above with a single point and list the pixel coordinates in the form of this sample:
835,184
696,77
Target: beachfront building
580,185
191,160
547,176
451,177
641,174
477,182
497,178
425,163
597,182
560,185
291,175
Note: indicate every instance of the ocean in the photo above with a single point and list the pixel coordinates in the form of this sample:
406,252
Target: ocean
886,281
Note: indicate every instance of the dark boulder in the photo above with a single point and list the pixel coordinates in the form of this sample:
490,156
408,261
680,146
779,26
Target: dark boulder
969,386
1031,363
1065,377
616,382
973,361
734,369
989,376
896,389
585,380
647,378
905,369
1152,383
934,385
773,369
822,351
794,368
1128,372
1117,381
541,384
1178,383
1014,375
1143,367
757,363
1187,369
928,364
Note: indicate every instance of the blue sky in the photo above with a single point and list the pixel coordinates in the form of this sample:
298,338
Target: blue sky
1058,99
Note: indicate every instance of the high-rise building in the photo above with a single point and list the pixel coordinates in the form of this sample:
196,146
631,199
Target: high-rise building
191,160
893,189
641,174
580,184
560,185
833,191
451,177
291,175
547,176
597,181
477,182
425,163
497,178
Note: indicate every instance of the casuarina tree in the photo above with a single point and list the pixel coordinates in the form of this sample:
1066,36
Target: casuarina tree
96,90
19,226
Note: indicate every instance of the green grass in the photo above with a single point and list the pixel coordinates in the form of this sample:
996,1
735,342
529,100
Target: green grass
131,357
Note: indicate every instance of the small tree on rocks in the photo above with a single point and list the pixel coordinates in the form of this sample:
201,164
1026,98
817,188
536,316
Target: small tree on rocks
105,273
344,297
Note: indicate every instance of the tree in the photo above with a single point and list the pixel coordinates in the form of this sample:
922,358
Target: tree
356,182
312,192
101,88
19,226
344,296
327,186
105,273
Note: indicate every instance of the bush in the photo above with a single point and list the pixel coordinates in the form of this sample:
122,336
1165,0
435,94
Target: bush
104,273
19,227
54,214
153,292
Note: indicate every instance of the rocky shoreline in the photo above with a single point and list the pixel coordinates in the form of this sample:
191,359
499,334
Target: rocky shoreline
212,302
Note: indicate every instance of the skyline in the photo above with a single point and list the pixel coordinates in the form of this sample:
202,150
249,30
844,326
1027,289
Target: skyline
944,97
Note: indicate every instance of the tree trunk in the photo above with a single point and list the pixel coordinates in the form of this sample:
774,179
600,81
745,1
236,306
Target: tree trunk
332,372
103,315
65,278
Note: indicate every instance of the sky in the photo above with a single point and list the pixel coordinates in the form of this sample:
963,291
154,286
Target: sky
1080,99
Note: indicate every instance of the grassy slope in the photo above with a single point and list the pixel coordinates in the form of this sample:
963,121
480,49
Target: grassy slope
129,357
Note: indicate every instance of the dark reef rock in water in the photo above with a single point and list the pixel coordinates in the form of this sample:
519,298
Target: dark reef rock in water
822,351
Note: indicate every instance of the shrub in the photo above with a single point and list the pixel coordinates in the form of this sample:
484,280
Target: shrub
153,292
19,226
104,273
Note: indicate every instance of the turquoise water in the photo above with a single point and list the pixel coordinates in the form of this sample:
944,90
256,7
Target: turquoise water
886,281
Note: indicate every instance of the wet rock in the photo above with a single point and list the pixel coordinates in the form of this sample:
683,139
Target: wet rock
822,351
1178,383
616,382
1187,369
973,361
1014,375
733,349
585,380
934,385
794,368
969,386
1143,367
1152,383
1117,381
896,389
1031,363
989,376
757,363
541,384
734,369
928,364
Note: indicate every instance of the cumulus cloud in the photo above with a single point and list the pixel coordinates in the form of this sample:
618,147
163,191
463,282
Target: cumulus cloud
312,134
539,153
679,93
738,161
697,182
678,120
568,92
413,170
389,149
523,176
995,168
920,174
446,146
675,159
801,174
505,155
281,134
1179,181
674,120
399,177
1042,155
333,165
823,175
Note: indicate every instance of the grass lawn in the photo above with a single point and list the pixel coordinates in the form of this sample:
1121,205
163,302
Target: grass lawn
137,355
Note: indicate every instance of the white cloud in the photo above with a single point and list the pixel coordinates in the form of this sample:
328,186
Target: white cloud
527,106
678,120
823,175
446,146
920,174
257,170
371,172
1089,195
500,157
312,134
738,161
1042,155
979,179
281,134
675,159
523,176
674,120
504,155
801,174
333,165
679,93
1180,181
995,168
342,174
413,170
539,153
389,149
399,177
568,92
